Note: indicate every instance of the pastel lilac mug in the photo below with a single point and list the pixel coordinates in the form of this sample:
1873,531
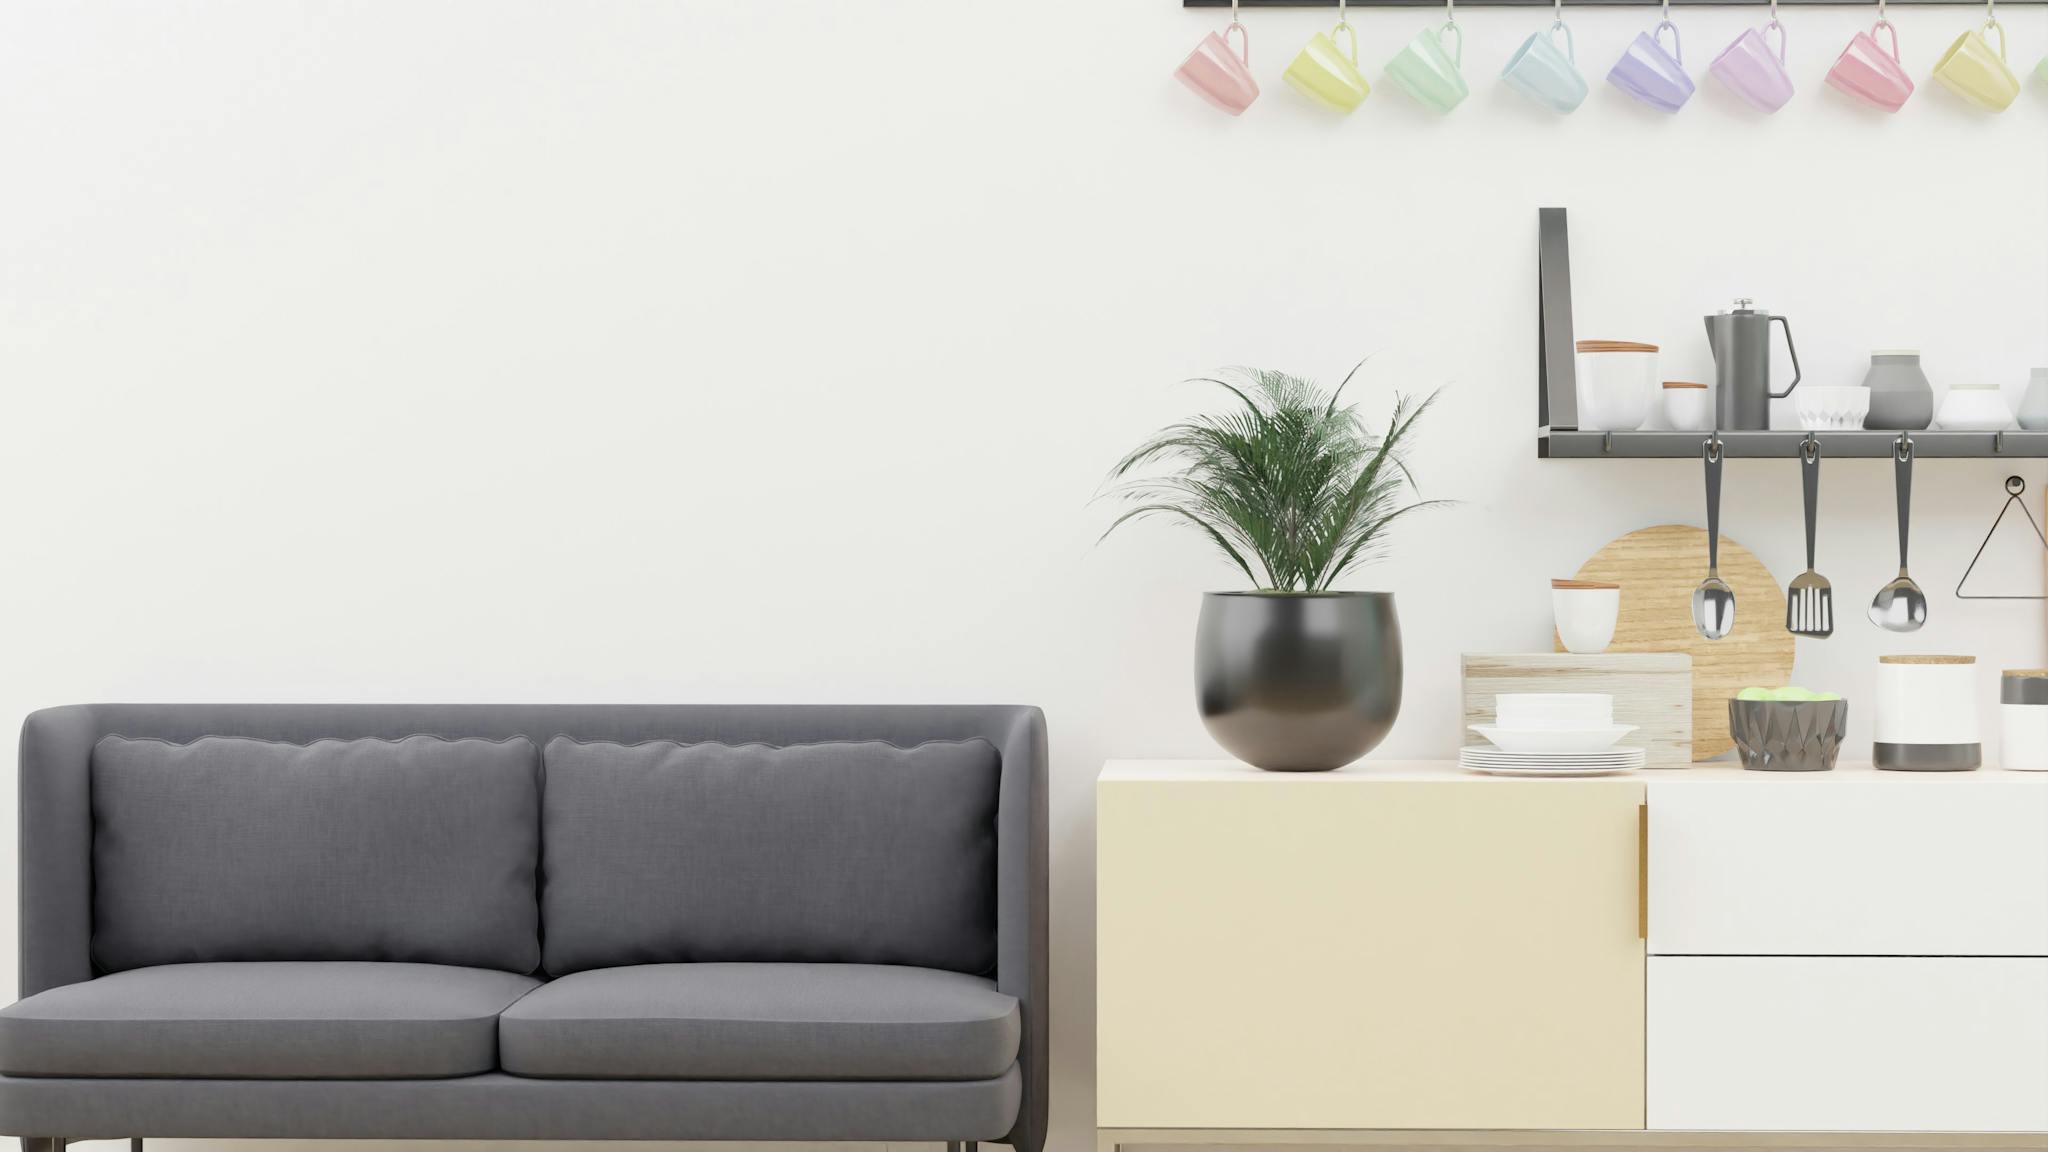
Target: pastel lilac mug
1650,74
1220,75
1870,73
1752,71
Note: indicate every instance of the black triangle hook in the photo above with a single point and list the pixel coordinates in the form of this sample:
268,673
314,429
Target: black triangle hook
2014,488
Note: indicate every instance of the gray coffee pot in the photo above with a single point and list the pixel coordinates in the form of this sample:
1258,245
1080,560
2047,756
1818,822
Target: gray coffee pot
1741,342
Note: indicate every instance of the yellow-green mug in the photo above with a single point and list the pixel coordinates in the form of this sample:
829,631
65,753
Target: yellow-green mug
1972,70
1326,75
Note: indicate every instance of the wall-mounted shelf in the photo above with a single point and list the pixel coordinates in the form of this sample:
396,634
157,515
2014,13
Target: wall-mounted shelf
1784,444
1557,401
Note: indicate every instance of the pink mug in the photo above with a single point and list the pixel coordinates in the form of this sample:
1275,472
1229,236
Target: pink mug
1753,71
1219,75
1871,74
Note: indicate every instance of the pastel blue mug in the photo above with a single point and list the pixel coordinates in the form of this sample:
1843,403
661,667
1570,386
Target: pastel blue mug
1546,74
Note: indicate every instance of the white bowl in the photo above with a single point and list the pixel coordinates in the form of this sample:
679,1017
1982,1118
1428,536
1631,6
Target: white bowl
1553,741
1523,711
1973,410
1824,408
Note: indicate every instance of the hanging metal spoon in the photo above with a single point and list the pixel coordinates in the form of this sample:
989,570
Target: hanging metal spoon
1900,606
1713,602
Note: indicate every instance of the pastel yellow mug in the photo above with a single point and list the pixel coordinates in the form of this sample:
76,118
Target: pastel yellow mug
1973,70
1326,75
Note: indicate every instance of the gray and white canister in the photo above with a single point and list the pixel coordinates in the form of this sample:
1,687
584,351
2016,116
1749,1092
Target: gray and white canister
2023,719
1926,714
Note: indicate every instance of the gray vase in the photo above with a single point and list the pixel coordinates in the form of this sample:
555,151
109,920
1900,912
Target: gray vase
1901,399
2033,413
1298,683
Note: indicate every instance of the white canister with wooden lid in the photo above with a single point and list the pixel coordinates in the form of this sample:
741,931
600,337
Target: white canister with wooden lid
1926,714
2023,719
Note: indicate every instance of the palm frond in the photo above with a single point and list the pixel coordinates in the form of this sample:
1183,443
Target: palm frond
1289,477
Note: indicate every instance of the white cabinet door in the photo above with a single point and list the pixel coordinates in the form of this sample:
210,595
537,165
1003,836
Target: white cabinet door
1849,864
1910,1044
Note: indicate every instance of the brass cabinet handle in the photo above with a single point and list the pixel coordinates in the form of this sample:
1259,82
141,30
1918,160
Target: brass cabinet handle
1643,871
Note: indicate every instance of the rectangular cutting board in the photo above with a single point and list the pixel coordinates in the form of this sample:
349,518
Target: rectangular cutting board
1651,690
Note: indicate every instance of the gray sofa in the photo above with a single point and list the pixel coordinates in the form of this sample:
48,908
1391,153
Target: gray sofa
530,922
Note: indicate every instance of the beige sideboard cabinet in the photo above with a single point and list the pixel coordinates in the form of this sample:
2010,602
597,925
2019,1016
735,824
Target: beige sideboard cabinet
1405,954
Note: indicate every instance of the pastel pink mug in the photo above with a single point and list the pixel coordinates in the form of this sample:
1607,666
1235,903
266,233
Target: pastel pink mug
1868,72
1220,75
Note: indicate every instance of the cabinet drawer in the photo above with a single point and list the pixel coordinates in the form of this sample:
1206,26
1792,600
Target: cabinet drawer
1848,1044
1850,863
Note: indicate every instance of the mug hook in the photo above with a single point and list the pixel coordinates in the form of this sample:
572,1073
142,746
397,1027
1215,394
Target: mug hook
1342,22
1451,11
1882,22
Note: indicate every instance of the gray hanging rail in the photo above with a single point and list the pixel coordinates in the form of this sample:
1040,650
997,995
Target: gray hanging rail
1586,3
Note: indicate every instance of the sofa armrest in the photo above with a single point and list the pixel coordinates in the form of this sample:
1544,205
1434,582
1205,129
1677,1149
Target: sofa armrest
55,838
1021,905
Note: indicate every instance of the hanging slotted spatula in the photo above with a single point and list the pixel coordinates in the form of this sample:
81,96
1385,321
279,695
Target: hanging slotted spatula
1810,599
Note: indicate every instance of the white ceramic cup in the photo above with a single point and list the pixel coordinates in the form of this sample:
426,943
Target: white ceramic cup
1585,613
1616,381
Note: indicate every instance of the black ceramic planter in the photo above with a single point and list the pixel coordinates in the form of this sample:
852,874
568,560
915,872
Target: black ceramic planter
1298,683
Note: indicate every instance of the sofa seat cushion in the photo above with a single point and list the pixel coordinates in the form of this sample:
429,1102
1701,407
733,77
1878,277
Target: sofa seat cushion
264,1020
762,1022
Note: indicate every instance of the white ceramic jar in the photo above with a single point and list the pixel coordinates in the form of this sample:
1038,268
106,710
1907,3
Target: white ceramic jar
1688,406
1926,714
2023,719
1616,380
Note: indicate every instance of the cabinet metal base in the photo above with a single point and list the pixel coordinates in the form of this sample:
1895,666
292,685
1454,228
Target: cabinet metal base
1113,1139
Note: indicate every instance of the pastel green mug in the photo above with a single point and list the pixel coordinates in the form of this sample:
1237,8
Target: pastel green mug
1326,75
1428,71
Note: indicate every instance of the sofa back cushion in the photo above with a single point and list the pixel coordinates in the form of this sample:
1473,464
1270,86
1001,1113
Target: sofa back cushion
857,852
420,849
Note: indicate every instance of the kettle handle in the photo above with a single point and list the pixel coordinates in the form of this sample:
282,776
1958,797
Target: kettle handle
1795,358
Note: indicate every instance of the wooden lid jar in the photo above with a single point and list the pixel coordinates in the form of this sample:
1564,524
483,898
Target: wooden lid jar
1925,714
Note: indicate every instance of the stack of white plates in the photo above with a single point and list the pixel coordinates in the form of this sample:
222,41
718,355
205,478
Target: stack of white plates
1495,762
1552,734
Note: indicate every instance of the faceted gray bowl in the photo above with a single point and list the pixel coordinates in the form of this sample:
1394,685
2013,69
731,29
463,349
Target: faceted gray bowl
1788,735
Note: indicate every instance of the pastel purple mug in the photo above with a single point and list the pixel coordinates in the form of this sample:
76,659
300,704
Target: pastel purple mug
1755,73
1868,72
1650,74
1219,74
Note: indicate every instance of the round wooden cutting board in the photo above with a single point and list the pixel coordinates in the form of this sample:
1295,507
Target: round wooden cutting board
1658,568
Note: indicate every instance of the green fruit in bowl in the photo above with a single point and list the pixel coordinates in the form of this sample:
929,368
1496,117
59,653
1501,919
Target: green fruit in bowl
1754,694
1794,695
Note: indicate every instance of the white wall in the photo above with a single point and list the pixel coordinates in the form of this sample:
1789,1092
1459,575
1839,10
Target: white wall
694,351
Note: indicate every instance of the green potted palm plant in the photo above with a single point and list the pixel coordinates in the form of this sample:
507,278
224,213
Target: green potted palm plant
1293,487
